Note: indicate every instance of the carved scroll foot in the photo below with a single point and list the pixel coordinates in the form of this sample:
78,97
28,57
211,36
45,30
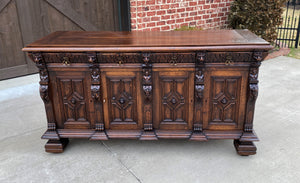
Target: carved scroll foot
198,136
56,146
99,135
244,148
148,135
50,134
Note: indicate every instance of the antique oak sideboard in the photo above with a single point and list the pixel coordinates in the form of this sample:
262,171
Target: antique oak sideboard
196,85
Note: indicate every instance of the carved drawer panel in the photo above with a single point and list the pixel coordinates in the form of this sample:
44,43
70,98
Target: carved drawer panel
123,58
65,58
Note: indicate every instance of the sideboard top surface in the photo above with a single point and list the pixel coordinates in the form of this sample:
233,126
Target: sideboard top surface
76,41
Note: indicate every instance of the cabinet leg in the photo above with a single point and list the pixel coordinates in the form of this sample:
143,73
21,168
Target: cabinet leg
244,148
56,146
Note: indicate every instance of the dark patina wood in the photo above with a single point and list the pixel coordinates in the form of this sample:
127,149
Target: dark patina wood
150,85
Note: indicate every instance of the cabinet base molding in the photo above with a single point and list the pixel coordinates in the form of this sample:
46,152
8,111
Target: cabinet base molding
56,146
160,134
198,136
148,135
249,136
50,134
99,135
124,134
243,142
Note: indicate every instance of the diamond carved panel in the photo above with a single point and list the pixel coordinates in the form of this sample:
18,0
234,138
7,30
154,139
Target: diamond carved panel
225,99
73,100
122,94
173,100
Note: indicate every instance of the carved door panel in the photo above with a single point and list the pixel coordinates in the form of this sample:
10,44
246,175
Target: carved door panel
73,99
173,99
122,109
224,94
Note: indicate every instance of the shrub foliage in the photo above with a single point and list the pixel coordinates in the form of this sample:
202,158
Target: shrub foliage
259,16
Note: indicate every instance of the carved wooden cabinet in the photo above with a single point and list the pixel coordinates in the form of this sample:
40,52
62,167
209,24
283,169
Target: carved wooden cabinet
149,85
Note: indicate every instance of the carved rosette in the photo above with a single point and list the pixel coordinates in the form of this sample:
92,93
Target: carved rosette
147,88
199,88
252,90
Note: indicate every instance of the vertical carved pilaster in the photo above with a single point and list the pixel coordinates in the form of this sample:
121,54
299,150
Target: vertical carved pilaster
147,88
96,96
199,88
44,93
147,107
252,92
251,97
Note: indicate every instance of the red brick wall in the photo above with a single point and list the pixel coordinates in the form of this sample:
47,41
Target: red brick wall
164,15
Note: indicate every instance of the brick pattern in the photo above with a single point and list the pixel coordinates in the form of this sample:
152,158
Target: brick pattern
165,15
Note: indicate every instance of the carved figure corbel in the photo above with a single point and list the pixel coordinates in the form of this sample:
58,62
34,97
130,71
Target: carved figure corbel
199,89
96,96
148,133
44,93
258,56
249,134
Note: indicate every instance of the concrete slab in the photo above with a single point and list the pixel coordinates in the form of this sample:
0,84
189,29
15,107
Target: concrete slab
277,115
22,159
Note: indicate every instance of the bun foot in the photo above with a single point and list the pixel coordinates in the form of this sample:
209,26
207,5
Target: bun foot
244,148
56,146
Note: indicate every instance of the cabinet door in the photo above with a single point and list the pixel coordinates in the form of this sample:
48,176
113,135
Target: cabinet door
224,96
173,99
72,96
122,107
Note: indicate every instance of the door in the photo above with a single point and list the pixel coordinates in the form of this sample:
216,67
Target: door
24,21
224,96
72,99
173,98
122,98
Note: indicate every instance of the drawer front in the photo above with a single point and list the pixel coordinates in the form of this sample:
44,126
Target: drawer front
224,98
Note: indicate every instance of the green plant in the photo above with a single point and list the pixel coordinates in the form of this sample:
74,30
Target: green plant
295,53
259,16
